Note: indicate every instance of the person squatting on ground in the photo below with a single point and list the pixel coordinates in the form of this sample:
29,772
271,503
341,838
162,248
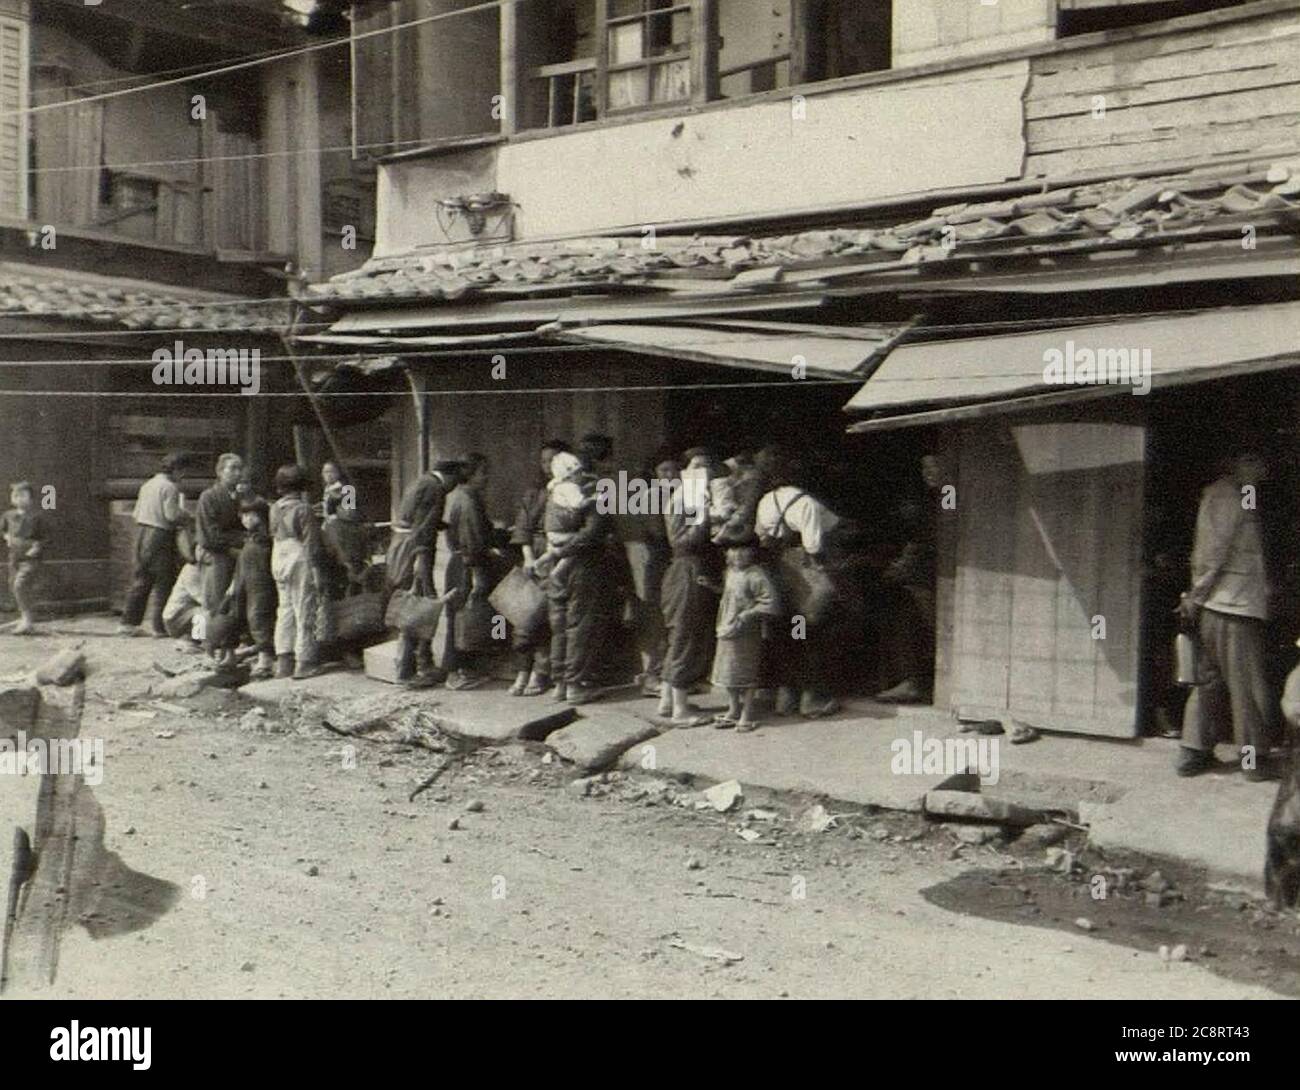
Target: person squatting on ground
253,596
295,563
579,590
532,645
410,563
749,601
25,535
159,511
218,531
1228,604
184,604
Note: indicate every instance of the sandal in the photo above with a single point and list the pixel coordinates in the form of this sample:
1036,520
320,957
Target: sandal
690,723
722,721
746,726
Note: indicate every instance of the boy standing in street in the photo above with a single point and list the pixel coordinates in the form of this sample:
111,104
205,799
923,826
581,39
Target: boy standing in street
24,534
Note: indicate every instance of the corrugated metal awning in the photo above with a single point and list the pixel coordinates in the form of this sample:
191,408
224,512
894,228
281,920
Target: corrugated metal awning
949,380
823,351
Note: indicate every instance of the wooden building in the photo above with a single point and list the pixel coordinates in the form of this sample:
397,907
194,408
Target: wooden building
138,210
907,231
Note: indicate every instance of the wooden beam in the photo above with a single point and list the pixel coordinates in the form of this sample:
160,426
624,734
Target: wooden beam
602,57
705,86
512,75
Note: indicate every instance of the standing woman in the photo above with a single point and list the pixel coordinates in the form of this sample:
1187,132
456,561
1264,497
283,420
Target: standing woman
690,591
295,563
578,590
532,646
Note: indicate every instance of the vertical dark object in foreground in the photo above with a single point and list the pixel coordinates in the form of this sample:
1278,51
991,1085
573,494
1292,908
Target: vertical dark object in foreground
65,875
1282,859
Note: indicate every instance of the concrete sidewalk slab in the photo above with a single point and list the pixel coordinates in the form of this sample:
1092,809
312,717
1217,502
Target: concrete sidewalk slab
600,736
1124,790
487,715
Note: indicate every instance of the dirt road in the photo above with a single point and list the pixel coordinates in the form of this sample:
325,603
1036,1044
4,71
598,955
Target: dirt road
301,869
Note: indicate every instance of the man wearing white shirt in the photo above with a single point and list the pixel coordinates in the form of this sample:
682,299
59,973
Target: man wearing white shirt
159,508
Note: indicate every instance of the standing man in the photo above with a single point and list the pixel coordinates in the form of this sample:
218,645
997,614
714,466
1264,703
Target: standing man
219,532
469,571
159,508
410,562
1228,604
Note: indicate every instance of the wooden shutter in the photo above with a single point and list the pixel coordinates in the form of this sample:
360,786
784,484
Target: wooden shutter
13,119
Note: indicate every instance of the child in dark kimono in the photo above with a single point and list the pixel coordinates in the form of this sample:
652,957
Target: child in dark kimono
748,596
24,535
252,596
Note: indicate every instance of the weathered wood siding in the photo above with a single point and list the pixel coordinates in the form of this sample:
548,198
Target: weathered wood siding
1225,90
1047,552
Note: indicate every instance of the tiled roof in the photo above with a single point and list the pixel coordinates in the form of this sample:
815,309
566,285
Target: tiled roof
1116,211
133,306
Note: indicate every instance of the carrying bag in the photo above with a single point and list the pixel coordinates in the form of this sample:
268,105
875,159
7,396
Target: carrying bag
413,614
472,625
358,617
809,590
519,598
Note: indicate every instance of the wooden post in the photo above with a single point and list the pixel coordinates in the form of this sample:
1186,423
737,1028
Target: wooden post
421,419
803,28
602,57
512,77
705,86
304,381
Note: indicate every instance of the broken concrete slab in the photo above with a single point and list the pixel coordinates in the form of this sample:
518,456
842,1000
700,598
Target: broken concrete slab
975,807
599,737
62,668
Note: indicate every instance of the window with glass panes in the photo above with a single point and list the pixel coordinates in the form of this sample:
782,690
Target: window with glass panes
647,53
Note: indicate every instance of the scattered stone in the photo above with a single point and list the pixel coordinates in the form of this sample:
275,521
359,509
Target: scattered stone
880,832
263,785
129,831
446,858
582,787
313,871
973,834
1084,924
474,806
749,835
164,734
967,804
548,758
694,864
713,953
453,824
63,668
1060,859
724,797
762,815
819,820
252,719
1155,882
247,967
1045,834
597,743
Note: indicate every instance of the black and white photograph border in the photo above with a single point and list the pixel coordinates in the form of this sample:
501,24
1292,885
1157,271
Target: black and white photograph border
579,499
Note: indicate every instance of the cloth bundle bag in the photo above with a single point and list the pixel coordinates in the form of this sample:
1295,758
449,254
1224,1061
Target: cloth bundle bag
358,617
413,614
519,598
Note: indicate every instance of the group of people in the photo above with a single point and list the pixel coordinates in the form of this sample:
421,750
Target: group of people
736,578
741,579
239,565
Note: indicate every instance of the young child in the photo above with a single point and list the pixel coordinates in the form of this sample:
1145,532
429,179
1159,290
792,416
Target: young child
252,592
295,563
24,534
748,596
